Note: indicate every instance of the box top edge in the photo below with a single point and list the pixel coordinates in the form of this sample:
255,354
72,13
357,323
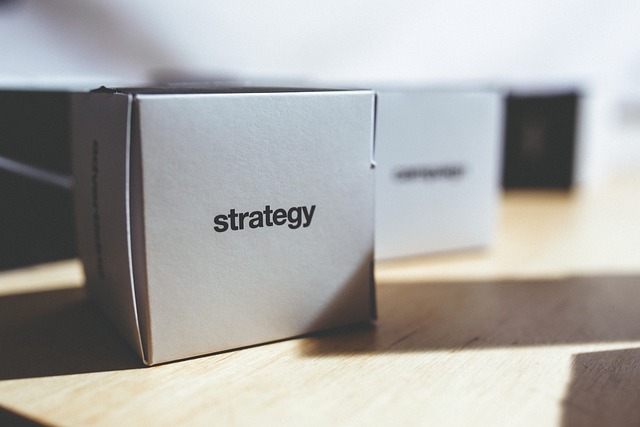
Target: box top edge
204,90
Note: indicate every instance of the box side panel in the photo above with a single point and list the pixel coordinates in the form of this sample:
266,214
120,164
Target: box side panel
100,160
438,165
205,158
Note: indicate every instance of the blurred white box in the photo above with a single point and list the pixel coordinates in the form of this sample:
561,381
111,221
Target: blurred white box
438,155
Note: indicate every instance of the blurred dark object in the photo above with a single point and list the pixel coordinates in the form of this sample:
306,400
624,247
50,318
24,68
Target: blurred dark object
8,3
35,129
540,140
36,211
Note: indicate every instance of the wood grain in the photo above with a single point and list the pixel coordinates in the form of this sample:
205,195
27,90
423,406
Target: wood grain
541,330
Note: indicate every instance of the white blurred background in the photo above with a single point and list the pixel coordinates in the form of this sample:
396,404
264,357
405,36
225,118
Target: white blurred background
587,43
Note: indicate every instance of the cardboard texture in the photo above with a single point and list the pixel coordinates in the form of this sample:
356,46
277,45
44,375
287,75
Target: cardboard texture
438,169
212,219
36,218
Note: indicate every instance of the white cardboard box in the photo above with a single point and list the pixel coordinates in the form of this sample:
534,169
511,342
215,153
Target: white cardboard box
215,219
438,155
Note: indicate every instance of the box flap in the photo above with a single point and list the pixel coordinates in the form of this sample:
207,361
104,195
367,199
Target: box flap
101,157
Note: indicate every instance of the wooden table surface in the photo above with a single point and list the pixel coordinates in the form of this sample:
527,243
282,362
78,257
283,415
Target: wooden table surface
543,329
